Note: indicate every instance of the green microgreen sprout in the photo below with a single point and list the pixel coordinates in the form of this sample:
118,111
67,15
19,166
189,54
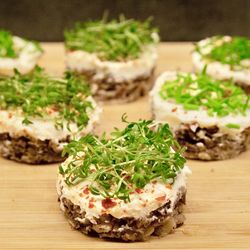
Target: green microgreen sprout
217,97
115,40
232,52
7,45
129,159
233,125
39,95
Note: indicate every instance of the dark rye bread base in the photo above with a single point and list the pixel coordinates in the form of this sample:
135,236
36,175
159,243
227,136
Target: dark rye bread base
109,91
30,150
209,144
159,222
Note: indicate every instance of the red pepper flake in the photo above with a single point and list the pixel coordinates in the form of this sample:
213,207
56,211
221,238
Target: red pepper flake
154,182
174,109
169,186
86,190
132,192
92,199
138,191
93,170
108,203
161,198
144,204
91,205
54,108
10,115
81,195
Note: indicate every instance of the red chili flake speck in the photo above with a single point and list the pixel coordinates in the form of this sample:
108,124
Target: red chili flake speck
108,203
91,205
92,199
132,192
174,109
154,182
81,195
161,198
54,108
10,115
138,191
86,190
169,186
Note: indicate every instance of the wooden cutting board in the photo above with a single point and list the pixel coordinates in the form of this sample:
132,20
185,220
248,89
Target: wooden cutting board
218,201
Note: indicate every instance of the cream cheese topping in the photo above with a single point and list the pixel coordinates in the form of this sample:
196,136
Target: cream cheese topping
44,127
154,195
28,55
216,69
82,61
175,114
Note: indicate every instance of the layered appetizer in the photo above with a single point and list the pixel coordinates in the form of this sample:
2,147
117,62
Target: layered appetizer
211,118
119,57
226,58
17,53
39,114
127,186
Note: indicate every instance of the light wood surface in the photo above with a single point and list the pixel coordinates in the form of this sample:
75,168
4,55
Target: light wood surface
218,201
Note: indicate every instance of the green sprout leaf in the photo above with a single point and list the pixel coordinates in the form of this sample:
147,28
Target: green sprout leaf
6,44
116,40
126,160
232,125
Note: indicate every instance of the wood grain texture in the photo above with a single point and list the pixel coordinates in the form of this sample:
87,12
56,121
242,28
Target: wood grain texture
218,201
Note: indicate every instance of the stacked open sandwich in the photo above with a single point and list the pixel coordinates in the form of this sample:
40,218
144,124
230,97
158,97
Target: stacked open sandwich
128,186
118,57
211,118
39,114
